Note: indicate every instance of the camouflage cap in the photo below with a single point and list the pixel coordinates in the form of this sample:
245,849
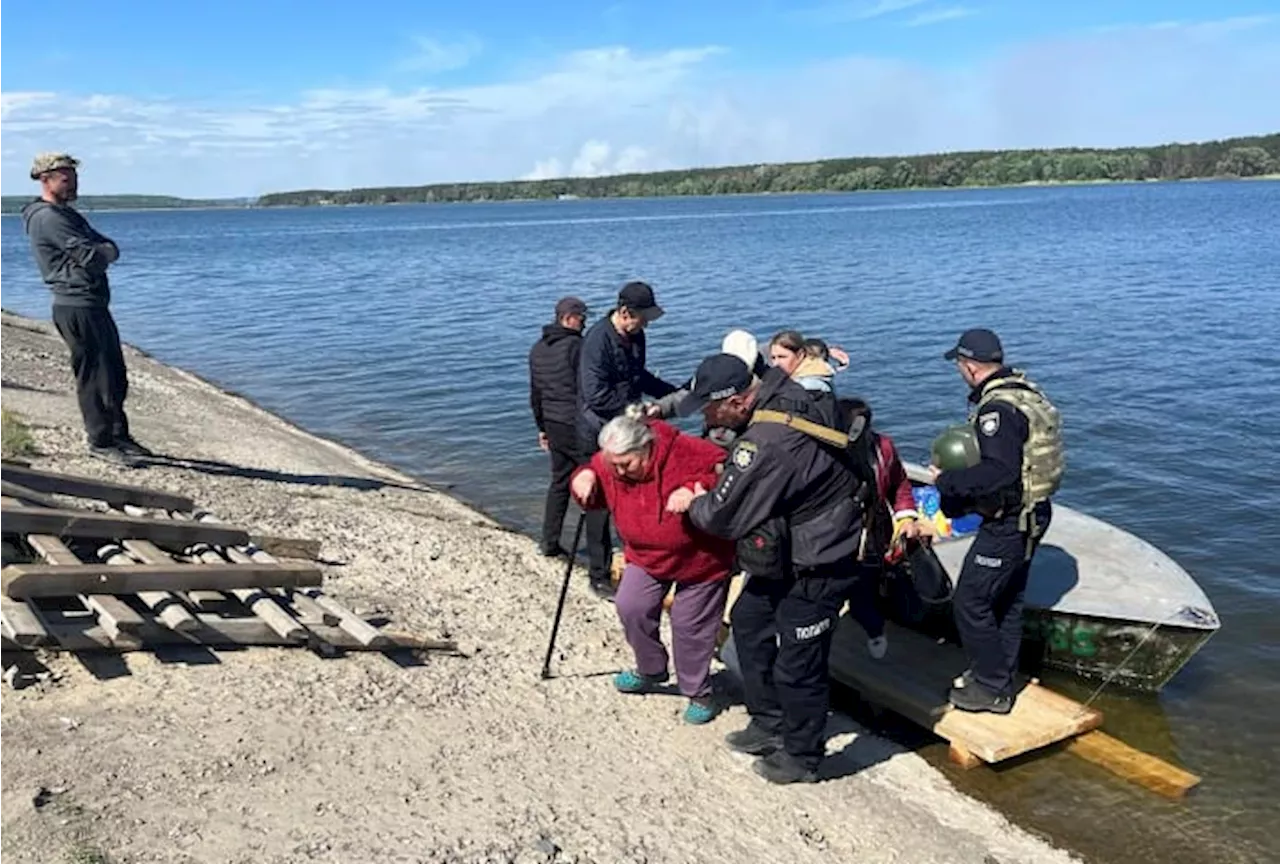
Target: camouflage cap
46,162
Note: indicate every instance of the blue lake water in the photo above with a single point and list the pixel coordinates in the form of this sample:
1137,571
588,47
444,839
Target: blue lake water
1149,313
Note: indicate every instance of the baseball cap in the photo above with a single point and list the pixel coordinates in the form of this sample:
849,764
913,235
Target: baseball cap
718,377
638,297
45,162
570,306
978,344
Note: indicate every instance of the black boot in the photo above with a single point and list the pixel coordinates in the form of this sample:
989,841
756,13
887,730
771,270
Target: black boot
602,587
130,447
783,768
974,697
755,740
114,454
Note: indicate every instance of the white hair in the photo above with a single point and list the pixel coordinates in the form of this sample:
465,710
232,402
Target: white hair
626,433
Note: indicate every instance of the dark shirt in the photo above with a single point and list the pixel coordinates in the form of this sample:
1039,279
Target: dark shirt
612,375
72,256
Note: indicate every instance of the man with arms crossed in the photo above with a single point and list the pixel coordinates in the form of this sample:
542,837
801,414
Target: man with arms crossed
73,259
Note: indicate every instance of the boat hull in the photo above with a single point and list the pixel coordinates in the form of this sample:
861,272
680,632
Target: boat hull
1101,603
1133,655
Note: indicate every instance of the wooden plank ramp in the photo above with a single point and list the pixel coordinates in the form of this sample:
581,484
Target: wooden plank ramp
168,574
914,678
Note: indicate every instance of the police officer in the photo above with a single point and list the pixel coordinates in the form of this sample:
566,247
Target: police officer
1019,437
789,501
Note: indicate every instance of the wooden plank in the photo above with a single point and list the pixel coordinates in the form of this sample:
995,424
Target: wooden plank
962,757
1144,769
110,526
348,621
168,607
86,487
287,547
52,550
196,599
116,615
14,491
43,580
325,607
21,623
306,607
360,629
309,611
914,680
82,634
256,600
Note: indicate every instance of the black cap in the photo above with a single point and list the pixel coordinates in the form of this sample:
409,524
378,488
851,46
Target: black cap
570,306
718,377
981,345
638,297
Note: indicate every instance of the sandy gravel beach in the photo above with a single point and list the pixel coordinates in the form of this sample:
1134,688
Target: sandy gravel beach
275,756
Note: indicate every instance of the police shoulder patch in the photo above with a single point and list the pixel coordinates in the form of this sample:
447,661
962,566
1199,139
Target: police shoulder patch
744,455
989,423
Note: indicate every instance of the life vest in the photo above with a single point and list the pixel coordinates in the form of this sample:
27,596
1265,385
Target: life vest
1043,456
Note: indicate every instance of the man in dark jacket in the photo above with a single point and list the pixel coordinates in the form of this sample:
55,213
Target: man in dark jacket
73,260
553,396
612,375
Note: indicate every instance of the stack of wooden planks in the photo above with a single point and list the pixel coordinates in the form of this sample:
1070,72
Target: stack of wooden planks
127,568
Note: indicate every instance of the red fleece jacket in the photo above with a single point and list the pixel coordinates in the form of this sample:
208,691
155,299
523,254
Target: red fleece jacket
665,545
891,478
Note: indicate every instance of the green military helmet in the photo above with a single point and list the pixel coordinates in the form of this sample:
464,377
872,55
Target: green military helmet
956,448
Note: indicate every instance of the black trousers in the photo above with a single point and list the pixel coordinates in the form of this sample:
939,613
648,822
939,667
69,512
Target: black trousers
102,381
566,455
782,631
864,597
989,594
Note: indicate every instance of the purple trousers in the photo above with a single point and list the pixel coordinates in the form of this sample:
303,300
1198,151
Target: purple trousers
696,614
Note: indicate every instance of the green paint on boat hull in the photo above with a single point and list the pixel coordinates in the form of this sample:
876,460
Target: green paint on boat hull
1085,646
1135,655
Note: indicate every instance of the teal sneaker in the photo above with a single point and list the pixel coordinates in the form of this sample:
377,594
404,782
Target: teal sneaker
700,711
632,681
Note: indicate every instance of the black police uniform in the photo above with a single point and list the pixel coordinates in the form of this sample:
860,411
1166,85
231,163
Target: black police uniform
989,594
783,622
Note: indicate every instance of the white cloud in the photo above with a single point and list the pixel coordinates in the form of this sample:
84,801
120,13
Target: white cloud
615,110
937,16
1213,27
595,158
436,55
859,10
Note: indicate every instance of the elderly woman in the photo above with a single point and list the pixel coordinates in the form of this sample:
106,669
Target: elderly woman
639,464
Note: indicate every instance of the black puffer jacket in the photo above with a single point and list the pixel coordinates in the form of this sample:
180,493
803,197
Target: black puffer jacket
553,376
612,376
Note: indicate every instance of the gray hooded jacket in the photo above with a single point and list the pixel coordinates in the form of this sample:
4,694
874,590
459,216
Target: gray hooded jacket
72,256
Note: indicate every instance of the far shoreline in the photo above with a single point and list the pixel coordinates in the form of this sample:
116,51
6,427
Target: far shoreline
1030,184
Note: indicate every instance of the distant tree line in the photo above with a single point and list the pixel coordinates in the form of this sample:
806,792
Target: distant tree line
1236,157
15,203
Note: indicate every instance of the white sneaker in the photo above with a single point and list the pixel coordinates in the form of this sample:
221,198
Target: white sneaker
878,647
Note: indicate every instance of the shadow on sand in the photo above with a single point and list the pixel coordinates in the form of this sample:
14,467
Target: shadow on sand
217,468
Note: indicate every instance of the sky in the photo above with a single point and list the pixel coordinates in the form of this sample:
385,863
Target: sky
239,98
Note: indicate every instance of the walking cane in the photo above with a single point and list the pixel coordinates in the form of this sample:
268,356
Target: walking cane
564,592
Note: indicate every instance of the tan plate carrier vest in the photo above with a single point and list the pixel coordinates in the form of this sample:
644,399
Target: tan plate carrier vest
1043,457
